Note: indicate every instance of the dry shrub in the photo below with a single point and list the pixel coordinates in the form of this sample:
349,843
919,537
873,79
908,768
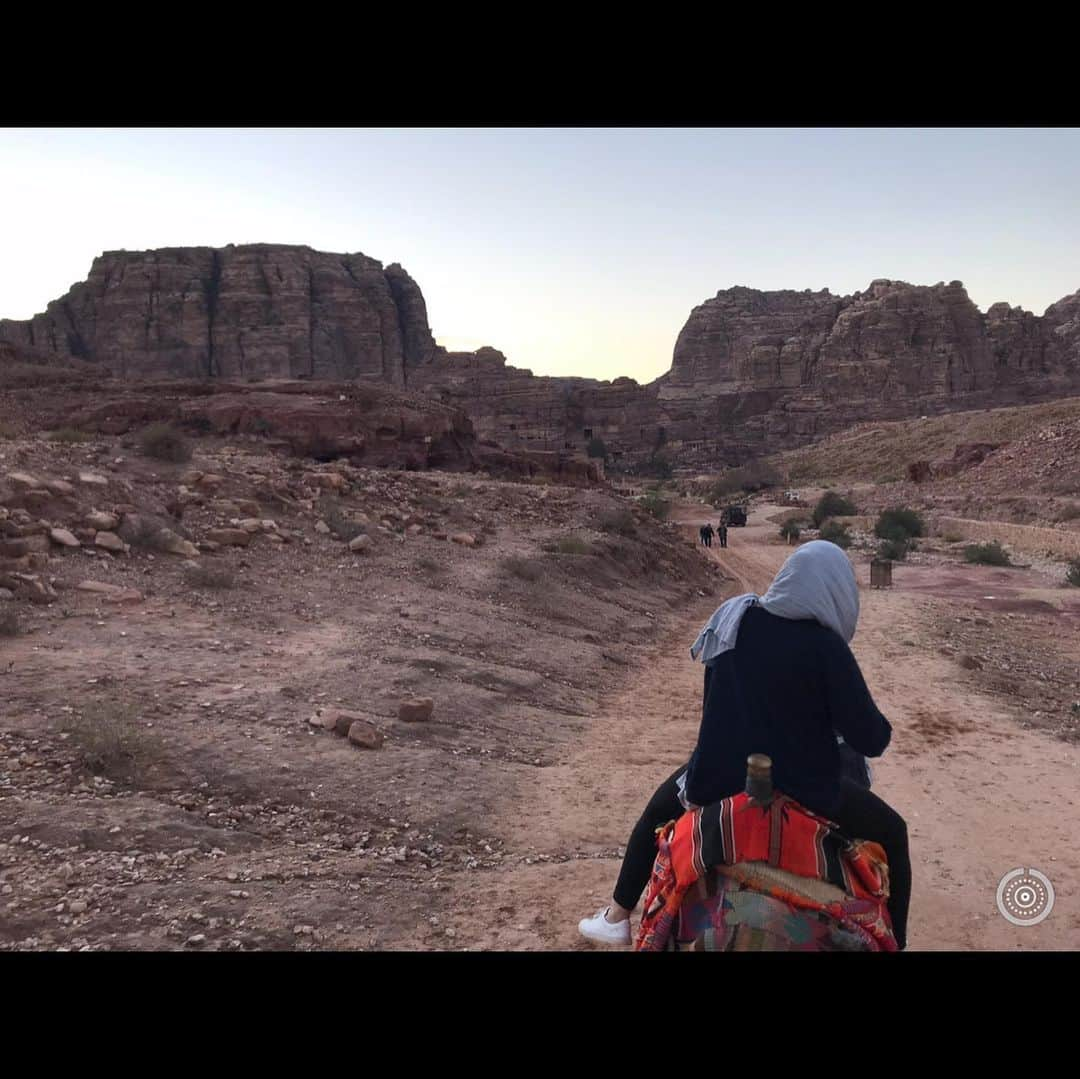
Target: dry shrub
528,569
337,520
70,435
164,442
620,521
209,577
111,739
143,532
987,554
572,545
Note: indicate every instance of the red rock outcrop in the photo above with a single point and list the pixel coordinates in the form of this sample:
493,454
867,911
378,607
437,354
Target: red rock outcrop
248,311
751,372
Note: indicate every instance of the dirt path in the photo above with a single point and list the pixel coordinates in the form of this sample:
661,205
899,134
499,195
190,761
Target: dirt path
981,796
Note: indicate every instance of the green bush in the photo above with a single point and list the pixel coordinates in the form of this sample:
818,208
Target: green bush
596,448
660,467
899,525
619,521
164,442
572,545
790,531
653,502
986,554
893,549
831,504
71,435
834,532
1072,574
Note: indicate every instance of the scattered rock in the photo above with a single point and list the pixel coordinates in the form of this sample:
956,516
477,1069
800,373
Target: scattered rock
366,736
109,541
360,543
229,537
93,479
416,709
103,522
322,528
60,487
466,539
23,479
174,544
111,592
63,537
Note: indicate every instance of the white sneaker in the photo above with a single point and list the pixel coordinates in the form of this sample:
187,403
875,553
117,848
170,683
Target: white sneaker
599,928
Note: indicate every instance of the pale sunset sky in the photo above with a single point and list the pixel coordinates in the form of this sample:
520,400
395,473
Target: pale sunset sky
575,251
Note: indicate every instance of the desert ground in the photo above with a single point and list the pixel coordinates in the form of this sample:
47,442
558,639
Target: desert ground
170,777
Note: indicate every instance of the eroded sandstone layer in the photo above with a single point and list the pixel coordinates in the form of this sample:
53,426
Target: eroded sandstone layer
751,371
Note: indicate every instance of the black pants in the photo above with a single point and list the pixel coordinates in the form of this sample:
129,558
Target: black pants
860,813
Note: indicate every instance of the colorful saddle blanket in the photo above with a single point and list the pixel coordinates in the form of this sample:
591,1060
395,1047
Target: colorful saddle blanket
738,876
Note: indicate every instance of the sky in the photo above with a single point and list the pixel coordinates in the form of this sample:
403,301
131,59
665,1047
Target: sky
575,251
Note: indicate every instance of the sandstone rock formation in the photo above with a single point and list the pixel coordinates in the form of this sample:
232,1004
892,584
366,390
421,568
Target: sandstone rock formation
751,371
249,311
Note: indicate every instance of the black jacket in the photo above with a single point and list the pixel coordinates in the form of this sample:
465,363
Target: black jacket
786,689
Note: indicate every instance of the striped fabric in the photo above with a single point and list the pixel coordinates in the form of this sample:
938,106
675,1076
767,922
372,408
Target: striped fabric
737,876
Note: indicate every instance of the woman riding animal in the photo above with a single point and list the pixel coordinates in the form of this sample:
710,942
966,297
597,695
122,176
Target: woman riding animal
780,679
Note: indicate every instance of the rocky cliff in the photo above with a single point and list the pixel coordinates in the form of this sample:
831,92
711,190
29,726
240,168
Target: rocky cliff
250,311
751,371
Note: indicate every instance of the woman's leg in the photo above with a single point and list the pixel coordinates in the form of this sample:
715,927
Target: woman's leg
861,814
641,848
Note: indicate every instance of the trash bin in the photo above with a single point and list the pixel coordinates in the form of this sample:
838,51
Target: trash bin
881,573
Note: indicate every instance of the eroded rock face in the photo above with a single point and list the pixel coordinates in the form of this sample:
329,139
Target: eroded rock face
249,311
751,371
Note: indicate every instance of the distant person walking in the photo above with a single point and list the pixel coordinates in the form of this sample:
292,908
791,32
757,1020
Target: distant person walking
706,532
722,533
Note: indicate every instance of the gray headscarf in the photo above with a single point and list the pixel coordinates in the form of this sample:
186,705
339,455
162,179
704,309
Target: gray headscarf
816,582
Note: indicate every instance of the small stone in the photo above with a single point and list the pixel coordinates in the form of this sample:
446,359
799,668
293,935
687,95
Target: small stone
109,541
103,522
111,592
78,906
229,537
360,543
23,479
175,544
196,939
416,709
60,487
365,736
322,528
63,537
465,539
93,479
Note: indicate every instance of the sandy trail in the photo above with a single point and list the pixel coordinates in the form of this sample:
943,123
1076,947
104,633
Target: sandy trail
981,796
